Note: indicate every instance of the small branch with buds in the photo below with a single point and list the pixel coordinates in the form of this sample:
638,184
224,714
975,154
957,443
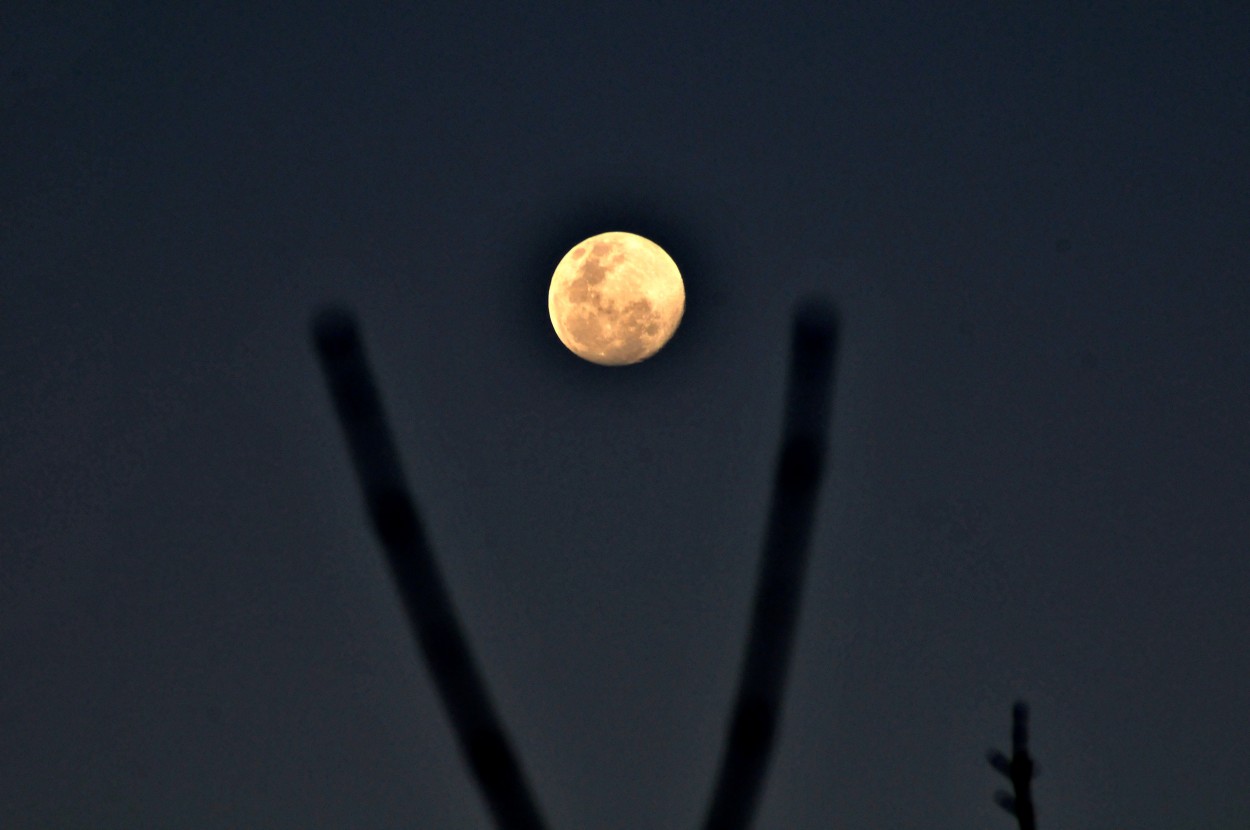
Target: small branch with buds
1019,769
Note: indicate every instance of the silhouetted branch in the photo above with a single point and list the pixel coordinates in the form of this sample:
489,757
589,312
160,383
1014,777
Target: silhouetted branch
753,723
1019,769
481,736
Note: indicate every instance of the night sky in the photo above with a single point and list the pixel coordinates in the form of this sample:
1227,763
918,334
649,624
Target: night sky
1035,224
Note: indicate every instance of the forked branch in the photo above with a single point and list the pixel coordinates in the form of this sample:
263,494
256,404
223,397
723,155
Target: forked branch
481,736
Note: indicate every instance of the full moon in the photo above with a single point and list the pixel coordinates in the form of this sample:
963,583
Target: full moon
616,298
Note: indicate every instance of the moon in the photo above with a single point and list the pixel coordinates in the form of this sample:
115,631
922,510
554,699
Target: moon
616,299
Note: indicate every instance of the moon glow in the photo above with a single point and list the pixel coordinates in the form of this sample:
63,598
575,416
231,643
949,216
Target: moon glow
616,298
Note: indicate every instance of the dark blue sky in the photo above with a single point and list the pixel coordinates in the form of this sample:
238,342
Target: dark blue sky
1034,223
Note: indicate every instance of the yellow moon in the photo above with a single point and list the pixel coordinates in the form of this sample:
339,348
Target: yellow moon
616,298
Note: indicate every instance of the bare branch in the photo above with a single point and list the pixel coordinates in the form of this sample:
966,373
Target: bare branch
753,722
483,741
1019,769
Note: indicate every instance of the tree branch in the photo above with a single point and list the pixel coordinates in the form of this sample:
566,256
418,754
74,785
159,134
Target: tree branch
1019,769
483,742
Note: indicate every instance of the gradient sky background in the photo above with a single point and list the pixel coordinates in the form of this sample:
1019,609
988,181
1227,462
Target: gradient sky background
1035,223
